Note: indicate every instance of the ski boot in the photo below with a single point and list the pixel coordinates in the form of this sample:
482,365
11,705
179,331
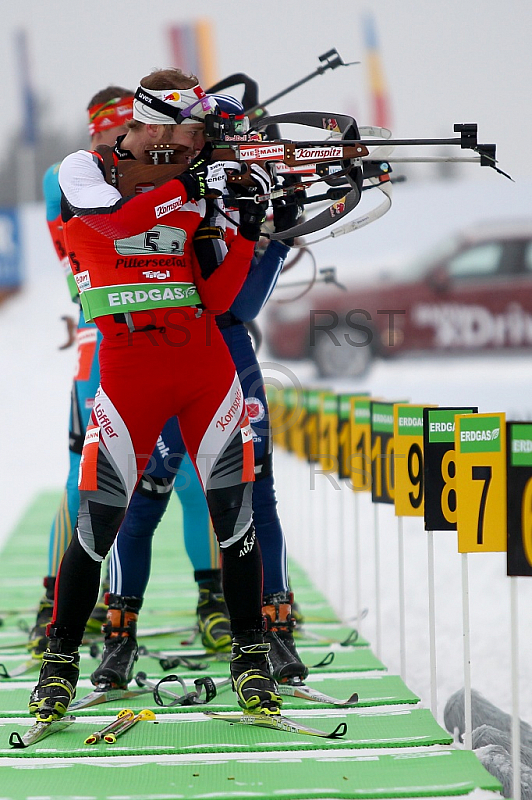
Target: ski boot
38,640
213,619
120,649
251,677
279,626
56,687
297,614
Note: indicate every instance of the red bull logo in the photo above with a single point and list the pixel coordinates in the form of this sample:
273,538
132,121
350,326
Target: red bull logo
173,96
337,208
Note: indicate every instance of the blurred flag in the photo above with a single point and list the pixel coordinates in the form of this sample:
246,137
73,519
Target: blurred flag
192,49
380,104
28,95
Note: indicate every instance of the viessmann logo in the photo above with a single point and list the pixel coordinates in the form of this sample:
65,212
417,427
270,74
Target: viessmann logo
257,152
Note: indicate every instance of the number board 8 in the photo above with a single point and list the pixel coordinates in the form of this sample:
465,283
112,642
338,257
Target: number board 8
519,498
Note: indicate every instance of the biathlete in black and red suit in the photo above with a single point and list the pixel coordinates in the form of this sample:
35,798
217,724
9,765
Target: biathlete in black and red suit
161,354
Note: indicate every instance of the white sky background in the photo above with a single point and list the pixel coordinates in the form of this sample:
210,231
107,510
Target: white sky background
445,62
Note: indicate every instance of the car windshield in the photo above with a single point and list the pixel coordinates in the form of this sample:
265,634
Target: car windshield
419,265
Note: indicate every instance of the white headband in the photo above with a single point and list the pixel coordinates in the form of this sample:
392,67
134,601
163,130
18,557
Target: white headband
192,102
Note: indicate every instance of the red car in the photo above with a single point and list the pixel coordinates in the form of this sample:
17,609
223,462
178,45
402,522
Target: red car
474,293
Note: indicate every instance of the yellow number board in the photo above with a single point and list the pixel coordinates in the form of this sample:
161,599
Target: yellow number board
328,432
408,461
480,447
360,456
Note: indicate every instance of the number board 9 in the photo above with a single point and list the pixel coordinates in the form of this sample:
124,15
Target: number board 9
408,460
480,445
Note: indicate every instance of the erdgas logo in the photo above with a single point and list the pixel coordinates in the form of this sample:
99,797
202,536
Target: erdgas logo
155,294
160,239
480,436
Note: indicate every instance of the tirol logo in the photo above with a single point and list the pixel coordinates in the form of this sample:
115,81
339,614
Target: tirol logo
160,239
315,153
255,409
480,434
272,152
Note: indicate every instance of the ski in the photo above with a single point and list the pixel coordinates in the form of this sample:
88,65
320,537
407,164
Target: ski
30,665
39,730
304,692
103,695
95,737
190,661
302,633
279,723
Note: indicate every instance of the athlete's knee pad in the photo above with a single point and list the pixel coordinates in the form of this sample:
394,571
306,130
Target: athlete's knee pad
263,466
231,512
155,488
97,526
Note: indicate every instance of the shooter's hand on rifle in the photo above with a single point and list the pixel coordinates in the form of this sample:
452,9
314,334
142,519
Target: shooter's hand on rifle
203,177
288,209
253,214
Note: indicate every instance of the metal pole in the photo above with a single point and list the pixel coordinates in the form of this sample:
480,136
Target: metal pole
467,655
516,727
402,616
432,626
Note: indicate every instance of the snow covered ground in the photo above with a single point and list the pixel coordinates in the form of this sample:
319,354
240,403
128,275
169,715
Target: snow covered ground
34,404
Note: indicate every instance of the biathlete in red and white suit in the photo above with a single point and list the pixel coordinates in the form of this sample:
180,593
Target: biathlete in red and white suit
149,274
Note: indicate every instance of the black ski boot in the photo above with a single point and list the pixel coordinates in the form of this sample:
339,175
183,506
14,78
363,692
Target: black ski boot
251,676
120,649
280,623
213,618
38,640
56,687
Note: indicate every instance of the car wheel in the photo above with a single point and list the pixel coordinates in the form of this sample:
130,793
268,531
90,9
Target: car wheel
342,360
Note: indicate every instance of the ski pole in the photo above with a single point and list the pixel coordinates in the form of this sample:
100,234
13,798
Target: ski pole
125,714
145,714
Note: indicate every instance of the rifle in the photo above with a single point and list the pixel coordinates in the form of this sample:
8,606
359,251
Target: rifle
343,160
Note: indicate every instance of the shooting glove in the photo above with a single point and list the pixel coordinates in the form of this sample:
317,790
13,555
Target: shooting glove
287,210
202,177
253,214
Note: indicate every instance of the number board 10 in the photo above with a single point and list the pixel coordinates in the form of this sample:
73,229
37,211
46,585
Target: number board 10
480,444
382,451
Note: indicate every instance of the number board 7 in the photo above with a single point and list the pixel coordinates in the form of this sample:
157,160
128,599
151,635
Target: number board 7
408,459
519,498
440,466
480,445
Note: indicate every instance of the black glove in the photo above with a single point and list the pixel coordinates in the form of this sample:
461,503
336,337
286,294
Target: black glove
253,214
287,210
203,177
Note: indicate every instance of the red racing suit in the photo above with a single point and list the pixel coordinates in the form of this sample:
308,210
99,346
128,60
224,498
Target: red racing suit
153,278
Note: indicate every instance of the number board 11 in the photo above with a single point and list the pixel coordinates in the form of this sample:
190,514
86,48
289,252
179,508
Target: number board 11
360,455
440,466
328,432
519,496
480,445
